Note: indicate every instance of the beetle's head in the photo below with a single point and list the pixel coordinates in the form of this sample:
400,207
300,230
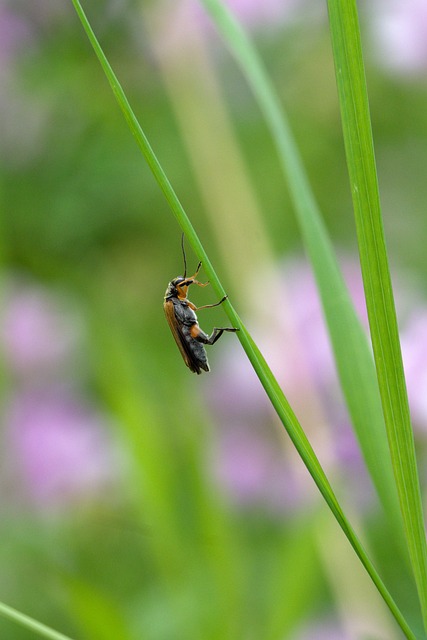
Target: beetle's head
178,287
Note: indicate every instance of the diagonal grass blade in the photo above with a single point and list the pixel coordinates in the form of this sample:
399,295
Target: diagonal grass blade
267,379
31,624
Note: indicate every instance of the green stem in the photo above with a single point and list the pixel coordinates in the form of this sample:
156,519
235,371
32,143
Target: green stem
353,96
30,623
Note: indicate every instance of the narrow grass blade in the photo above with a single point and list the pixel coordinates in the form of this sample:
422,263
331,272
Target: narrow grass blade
29,623
351,350
267,379
353,99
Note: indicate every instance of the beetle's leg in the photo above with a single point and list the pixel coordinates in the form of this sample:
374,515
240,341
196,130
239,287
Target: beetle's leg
217,333
201,284
192,279
215,304
197,271
199,335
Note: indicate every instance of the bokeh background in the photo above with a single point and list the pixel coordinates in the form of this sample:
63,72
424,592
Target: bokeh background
139,501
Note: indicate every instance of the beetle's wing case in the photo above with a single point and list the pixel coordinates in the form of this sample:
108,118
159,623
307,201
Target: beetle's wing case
190,356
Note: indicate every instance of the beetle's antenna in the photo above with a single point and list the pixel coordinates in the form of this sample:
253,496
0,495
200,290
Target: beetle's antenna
183,254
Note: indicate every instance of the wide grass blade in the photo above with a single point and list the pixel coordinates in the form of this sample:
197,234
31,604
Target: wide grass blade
353,97
267,379
351,350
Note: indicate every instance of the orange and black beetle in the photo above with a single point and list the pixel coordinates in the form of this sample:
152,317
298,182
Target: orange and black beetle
180,314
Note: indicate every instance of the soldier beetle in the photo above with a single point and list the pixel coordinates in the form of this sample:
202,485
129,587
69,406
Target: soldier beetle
182,319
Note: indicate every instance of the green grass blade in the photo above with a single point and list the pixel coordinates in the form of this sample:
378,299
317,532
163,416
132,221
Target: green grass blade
351,350
353,99
31,624
267,379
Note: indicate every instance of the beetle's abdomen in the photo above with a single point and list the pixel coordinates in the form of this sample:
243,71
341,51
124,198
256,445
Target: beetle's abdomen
198,351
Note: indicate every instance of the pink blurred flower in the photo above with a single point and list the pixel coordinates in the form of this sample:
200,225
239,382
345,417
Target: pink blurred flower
414,352
15,34
25,116
252,471
43,14
296,342
255,14
323,629
38,332
61,448
178,20
253,463
347,627
400,34
60,445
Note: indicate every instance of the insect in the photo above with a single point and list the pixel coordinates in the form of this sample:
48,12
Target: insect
182,319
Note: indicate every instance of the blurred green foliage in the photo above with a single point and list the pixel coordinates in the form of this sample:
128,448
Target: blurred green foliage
164,554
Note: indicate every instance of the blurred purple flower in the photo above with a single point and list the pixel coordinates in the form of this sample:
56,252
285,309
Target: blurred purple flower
178,19
252,462
323,630
61,448
60,445
296,342
44,13
349,626
15,34
414,352
25,116
38,333
252,471
254,14
400,34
